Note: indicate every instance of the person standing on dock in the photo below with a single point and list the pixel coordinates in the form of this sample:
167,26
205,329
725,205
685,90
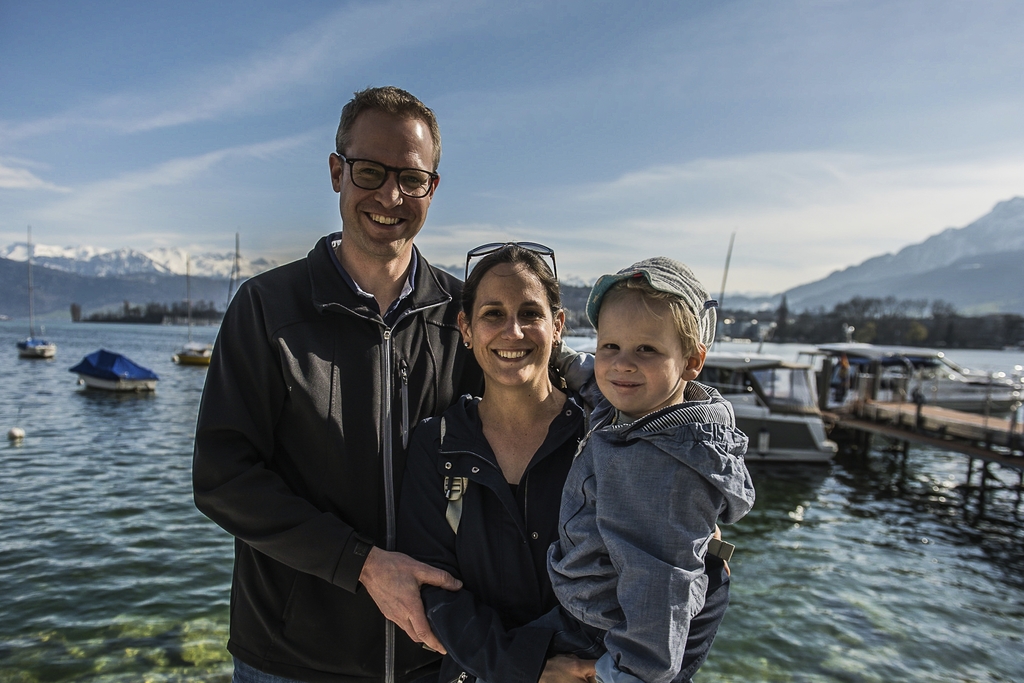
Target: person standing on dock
320,370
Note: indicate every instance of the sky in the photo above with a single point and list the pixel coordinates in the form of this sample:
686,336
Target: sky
820,133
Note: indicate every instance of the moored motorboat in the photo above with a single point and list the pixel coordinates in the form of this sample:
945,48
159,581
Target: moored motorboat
114,372
775,403
193,353
908,372
34,347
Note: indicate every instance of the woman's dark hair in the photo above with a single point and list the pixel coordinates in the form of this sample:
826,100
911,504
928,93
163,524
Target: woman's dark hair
512,254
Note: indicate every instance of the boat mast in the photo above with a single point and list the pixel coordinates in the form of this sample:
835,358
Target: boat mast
725,275
31,312
188,294
236,273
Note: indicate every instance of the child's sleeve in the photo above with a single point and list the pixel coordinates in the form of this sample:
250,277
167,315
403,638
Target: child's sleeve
577,369
656,516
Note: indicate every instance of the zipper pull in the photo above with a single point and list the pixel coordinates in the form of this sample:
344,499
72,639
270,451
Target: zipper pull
403,371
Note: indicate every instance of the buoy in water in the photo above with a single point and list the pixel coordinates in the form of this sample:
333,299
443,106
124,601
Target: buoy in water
16,434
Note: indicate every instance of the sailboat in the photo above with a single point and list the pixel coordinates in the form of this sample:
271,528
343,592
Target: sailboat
192,353
33,347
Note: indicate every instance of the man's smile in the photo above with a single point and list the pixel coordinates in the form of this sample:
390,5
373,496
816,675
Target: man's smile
383,220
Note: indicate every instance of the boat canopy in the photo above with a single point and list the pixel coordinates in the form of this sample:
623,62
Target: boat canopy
783,386
112,366
32,343
861,354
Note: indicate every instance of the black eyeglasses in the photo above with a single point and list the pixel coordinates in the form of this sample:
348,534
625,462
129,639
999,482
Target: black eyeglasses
492,247
370,175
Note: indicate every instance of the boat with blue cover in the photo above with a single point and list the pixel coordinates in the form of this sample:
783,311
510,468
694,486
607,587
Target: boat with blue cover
114,372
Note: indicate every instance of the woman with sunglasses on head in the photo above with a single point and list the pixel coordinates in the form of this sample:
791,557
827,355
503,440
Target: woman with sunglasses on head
484,482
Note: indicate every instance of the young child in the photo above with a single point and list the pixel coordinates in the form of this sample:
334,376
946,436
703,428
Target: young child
662,465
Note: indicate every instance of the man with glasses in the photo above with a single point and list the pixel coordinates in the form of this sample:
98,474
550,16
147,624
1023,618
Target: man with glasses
321,369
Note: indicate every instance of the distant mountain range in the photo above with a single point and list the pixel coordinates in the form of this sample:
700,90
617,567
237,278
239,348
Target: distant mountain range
93,262
977,268
56,290
99,279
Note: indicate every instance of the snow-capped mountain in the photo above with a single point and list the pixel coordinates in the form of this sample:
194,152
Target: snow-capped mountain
95,262
209,264
957,265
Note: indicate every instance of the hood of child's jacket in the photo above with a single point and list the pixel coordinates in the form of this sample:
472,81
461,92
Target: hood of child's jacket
714,451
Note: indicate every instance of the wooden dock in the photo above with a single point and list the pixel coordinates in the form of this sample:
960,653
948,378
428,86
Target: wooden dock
992,439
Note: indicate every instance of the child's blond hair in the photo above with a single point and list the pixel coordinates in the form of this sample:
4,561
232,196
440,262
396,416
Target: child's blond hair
682,317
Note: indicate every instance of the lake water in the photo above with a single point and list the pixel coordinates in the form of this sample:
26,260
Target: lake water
871,569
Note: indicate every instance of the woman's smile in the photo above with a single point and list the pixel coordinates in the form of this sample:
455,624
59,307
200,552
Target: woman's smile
511,355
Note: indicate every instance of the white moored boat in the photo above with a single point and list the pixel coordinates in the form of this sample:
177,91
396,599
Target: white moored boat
776,406
908,371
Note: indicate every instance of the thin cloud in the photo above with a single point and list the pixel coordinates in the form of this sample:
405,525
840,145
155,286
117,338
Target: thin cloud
103,199
23,179
301,60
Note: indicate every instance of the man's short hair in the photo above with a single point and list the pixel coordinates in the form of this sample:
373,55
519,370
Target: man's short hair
390,100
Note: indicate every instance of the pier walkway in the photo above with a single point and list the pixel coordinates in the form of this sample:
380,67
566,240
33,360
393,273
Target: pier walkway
991,439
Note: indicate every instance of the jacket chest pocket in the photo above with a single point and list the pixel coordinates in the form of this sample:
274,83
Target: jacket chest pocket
312,382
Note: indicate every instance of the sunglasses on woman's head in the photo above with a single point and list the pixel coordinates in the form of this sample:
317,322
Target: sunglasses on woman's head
493,247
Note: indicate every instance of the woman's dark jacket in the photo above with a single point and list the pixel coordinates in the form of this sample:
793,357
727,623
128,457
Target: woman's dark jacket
500,551
299,454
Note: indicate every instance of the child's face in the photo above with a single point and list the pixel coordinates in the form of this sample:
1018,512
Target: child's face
640,364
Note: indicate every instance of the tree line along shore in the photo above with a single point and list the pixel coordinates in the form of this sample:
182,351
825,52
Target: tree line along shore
202,313
906,322
889,321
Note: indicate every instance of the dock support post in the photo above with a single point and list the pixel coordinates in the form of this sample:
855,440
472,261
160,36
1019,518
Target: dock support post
865,442
825,383
985,474
903,466
1020,488
876,379
1015,441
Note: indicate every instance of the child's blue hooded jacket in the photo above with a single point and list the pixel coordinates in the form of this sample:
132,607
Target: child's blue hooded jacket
638,509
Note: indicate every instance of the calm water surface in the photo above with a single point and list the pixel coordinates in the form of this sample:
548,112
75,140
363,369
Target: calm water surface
871,569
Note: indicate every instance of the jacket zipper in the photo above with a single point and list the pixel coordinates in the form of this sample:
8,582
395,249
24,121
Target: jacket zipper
387,428
526,501
403,368
460,678
389,495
